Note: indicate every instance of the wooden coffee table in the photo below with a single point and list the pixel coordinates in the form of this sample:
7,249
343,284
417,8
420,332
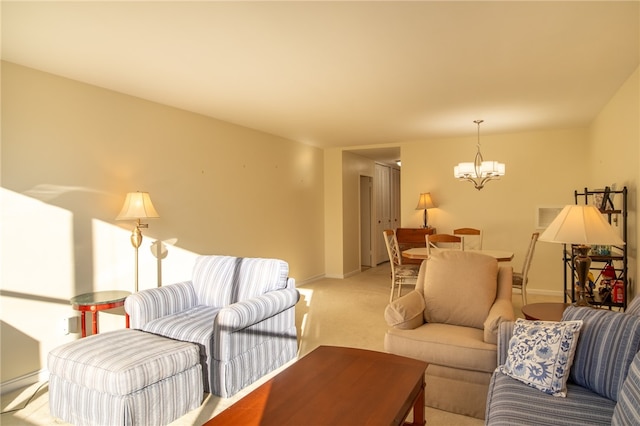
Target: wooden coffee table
544,311
335,386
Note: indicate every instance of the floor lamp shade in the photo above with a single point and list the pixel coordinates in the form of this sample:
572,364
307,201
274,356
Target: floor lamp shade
137,205
582,226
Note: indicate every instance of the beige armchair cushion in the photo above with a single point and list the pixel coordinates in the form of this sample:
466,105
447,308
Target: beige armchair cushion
444,344
459,288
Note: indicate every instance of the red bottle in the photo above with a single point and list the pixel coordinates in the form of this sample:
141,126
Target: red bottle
618,292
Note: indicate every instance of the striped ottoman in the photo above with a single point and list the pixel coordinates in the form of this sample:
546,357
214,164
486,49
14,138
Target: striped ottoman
124,377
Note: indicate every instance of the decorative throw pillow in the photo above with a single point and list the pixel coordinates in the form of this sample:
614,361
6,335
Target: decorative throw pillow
541,352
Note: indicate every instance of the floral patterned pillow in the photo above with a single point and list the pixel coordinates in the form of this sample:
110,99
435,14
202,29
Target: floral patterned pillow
540,354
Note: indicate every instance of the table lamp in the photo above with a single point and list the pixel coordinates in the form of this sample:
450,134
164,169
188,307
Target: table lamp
137,206
581,226
424,203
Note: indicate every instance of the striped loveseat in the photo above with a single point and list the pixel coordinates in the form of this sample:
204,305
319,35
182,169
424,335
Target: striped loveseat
239,311
604,381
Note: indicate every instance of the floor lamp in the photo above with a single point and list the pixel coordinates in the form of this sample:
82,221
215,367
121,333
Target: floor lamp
581,226
137,205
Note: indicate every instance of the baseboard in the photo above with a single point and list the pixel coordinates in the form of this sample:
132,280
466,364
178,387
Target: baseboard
24,381
333,276
310,280
352,273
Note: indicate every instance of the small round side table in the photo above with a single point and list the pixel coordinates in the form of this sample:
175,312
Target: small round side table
95,302
544,311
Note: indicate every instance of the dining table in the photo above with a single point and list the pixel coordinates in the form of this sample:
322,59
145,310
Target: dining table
423,253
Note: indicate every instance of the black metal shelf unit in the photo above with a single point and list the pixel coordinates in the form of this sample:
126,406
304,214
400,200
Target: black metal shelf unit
616,260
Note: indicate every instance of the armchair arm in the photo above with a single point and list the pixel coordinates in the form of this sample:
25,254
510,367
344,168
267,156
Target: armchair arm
505,331
150,304
502,310
406,312
248,312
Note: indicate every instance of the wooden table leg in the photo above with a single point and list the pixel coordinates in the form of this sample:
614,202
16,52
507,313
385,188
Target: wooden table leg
126,320
83,324
418,410
94,322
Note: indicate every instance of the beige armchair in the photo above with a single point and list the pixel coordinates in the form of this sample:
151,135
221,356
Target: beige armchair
451,321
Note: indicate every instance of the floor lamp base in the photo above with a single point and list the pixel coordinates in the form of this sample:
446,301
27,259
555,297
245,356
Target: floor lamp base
582,263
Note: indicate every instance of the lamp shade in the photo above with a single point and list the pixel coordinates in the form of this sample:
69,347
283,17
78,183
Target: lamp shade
425,201
579,224
137,205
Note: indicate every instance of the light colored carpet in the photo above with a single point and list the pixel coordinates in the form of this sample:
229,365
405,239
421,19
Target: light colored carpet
335,312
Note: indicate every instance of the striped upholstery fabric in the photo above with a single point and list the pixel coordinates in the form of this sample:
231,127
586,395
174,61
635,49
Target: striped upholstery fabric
247,354
240,341
519,404
222,280
627,411
505,331
124,377
146,306
608,342
193,325
600,376
634,307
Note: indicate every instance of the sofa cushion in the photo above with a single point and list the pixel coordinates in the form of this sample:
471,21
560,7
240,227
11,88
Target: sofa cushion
193,325
405,312
541,352
608,342
459,288
511,402
443,344
222,280
627,411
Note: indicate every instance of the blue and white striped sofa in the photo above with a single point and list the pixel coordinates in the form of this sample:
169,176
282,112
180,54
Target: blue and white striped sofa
239,311
604,381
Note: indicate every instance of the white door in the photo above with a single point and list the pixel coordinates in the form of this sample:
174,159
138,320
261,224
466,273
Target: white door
383,211
366,204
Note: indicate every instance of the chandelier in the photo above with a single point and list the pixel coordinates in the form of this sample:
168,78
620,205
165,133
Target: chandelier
479,172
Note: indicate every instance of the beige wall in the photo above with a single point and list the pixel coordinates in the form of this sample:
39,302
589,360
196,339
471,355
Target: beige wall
333,222
70,153
542,169
342,196
615,151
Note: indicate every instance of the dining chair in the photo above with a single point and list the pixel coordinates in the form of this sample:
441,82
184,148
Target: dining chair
520,279
446,241
400,274
472,237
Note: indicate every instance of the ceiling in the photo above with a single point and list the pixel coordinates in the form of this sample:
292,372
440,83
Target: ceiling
349,74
